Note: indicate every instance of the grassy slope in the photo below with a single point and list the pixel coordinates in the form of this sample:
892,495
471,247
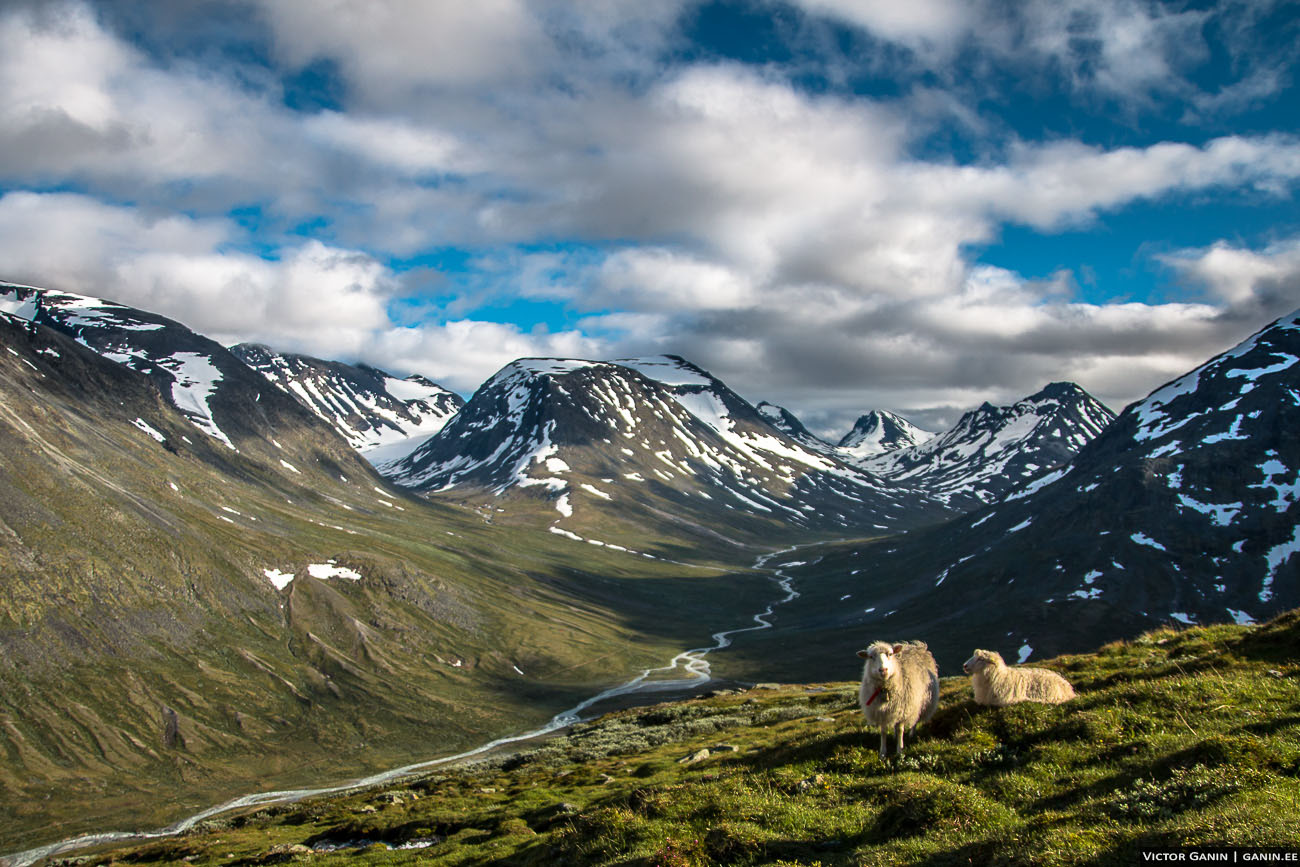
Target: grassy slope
1188,737
148,669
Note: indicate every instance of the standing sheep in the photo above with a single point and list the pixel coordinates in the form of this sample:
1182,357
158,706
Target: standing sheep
900,688
996,684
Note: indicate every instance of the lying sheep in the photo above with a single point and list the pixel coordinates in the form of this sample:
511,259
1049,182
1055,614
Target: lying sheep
996,684
900,688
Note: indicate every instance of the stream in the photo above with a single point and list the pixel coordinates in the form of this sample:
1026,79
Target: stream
686,671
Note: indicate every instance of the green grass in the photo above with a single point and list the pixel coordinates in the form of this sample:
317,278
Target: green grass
148,669
1176,738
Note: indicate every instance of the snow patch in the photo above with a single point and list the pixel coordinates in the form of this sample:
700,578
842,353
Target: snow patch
594,490
279,579
1143,539
196,381
1220,515
325,571
1276,556
147,428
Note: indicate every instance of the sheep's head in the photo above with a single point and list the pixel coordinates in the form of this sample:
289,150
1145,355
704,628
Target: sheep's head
980,660
881,661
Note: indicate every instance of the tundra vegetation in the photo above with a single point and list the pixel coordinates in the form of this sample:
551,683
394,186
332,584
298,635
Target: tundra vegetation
1179,737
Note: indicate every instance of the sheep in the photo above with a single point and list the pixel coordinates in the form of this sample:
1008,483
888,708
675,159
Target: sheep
900,688
997,685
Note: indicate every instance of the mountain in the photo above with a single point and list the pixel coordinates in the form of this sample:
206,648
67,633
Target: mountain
992,450
378,414
878,432
1186,509
788,423
205,591
657,441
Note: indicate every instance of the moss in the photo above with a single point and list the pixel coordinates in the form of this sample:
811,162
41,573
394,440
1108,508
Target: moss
921,805
1132,763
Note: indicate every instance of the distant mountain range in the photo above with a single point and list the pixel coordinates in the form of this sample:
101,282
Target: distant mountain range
658,438
1185,509
993,450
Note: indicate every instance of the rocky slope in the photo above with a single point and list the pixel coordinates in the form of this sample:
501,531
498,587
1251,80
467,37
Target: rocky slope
380,415
789,424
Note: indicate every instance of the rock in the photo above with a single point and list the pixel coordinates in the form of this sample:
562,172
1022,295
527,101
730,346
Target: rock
694,757
725,748
811,782
284,852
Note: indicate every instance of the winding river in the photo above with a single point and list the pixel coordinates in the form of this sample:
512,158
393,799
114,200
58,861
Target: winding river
687,670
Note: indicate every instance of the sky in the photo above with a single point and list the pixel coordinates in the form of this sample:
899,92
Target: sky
832,205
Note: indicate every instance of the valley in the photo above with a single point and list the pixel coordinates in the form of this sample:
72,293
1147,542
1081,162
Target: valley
233,571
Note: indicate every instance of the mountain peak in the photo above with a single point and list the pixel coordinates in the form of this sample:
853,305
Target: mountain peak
880,431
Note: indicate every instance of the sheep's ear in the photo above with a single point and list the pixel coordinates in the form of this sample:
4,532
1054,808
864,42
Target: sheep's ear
898,648
863,654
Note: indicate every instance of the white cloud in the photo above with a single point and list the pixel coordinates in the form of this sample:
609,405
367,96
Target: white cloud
462,354
319,300
388,48
390,143
1244,278
312,298
796,243
934,21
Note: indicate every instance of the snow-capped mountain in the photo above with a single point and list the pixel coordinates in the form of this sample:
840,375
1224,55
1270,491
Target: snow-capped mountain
789,424
378,414
878,432
216,392
1186,509
993,450
655,433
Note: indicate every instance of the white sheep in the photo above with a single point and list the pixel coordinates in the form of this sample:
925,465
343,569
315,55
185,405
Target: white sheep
900,688
997,684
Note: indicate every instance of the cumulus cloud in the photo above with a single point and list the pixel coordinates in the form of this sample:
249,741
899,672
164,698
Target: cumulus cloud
461,354
311,296
324,301
808,245
1252,283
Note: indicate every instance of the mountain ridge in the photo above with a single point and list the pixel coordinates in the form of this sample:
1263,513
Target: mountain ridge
371,408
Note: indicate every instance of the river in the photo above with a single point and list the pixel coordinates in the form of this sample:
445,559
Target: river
687,670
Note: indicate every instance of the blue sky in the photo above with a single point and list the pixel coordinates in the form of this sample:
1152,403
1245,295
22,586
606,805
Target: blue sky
834,205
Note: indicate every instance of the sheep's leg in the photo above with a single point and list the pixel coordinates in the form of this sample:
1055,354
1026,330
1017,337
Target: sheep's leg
898,736
884,742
